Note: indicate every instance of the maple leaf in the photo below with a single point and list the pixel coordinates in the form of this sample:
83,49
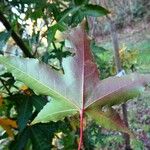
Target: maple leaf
79,89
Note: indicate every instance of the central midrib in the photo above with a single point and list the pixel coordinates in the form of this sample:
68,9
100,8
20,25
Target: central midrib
83,73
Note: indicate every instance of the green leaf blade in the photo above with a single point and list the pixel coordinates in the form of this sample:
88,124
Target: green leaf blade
95,10
40,137
44,81
24,111
38,102
54,111
39,77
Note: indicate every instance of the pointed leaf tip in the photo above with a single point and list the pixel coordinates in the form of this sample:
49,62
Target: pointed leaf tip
109,119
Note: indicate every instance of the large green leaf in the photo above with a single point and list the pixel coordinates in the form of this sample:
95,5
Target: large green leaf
24,110
42,79
20,140
38,102
40,137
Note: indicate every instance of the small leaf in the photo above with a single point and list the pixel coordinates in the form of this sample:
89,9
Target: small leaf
59,36
95,10
24,88
69,11
8,130
51,33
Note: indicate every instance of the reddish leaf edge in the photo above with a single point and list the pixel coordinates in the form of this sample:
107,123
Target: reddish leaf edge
110,119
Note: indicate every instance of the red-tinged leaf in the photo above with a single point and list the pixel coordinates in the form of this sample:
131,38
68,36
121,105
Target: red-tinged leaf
109,119
79,89
110,91
82,66
115,90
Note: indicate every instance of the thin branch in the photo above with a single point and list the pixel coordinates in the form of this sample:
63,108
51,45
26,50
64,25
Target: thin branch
115,41
5,86
14,35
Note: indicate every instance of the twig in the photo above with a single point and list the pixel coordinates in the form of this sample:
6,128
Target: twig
14,35
5,86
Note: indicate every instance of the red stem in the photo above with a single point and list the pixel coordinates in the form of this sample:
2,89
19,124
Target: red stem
81,129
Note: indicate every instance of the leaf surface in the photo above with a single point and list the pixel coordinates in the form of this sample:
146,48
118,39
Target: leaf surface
79,88
54,110
95,10
42,135
24,112
36,135
38,102
115,90
43,80
20,141
109,119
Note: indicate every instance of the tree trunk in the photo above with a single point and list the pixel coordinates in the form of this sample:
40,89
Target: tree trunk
114,36
119,68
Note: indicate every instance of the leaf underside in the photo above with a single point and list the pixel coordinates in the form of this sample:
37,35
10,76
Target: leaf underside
109,119
54,110
79,88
